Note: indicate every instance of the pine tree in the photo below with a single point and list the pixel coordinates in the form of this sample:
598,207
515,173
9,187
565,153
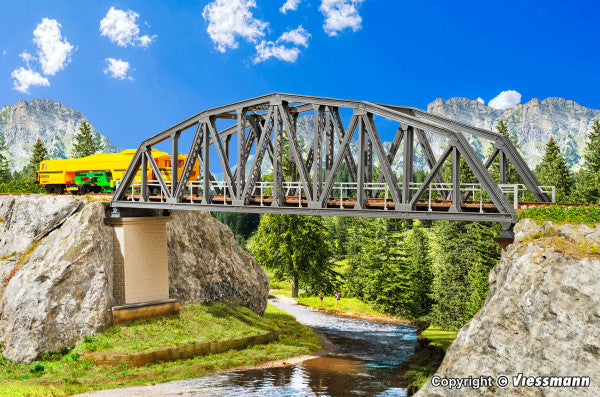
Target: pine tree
39,154
4,166
466,253
88,142
512,176
587,189
417,256
553,171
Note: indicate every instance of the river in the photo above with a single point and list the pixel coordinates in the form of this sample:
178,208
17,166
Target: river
363,358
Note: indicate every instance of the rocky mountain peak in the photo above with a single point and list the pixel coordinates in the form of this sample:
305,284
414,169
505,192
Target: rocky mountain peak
533,123
55,123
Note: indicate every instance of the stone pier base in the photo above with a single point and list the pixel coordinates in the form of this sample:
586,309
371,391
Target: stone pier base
141,266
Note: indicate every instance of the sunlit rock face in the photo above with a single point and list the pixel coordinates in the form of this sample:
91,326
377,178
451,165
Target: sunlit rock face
541,316
53,122
533,123
206,264
56,270
62,291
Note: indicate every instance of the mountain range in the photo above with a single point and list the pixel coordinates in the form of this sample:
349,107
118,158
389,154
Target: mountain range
533,123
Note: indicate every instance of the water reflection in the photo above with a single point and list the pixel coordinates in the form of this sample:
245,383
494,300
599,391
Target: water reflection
364,360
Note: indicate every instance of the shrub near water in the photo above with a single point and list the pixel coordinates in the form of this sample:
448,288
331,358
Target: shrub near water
586,214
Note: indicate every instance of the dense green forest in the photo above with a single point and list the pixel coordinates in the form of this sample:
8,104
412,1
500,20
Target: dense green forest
430,271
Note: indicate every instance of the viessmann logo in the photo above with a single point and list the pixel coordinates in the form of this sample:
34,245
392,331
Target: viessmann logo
504,381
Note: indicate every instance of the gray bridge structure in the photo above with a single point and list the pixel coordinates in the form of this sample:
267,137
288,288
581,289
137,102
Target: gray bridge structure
238,137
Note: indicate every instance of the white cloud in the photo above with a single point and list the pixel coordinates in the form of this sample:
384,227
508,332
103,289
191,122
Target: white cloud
340,15
120,27
229,19
54,51
117,69
27,57
298,36
505,100
267,49
480,100
289,5
4,52
25,78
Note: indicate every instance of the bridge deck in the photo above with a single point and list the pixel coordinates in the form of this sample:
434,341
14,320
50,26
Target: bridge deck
346,203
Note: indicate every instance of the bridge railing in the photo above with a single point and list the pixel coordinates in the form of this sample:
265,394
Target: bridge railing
342,192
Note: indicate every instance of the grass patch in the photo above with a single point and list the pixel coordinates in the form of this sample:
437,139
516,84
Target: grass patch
429,353
345,305
439,337
195,323
68,373
589,214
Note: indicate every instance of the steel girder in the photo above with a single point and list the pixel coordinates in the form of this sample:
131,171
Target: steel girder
266,126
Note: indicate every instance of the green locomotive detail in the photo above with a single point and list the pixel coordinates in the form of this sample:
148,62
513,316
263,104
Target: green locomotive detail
93,182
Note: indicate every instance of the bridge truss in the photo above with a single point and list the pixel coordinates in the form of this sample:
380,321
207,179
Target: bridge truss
304,175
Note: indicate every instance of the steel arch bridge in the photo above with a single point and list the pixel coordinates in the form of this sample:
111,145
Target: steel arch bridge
304,176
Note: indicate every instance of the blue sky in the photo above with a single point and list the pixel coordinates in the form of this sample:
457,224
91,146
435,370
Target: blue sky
185,56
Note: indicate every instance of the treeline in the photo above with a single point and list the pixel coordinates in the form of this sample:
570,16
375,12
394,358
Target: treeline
87,142
428,271
432,271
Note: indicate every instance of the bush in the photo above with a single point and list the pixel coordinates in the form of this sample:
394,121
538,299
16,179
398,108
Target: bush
586,214
20,186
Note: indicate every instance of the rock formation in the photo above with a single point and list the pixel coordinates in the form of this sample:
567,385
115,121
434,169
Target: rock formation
533,123
56,270
541,316
53,122
63,290
206,264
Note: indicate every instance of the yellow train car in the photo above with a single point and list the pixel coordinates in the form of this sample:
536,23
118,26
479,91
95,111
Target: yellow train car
101,172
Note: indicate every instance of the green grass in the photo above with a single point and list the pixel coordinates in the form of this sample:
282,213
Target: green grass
432,344
195,323
589,214
68,373
346,305
439,337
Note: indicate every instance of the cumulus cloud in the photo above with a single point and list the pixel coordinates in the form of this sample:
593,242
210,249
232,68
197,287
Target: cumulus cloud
268,49
53,55
230,19
340,15
289,5
25,78
121,28
54,51
27,57
117,69
505,100
480,100
298,36
4,52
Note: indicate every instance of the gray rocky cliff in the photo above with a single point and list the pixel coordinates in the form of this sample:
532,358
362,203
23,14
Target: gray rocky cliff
533,123
56,270
53,122
541,316
206,264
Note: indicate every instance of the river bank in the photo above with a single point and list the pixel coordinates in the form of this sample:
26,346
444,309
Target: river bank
430,349
68,372
359,357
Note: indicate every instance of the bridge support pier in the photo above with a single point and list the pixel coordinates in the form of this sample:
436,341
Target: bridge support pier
141,268
507,236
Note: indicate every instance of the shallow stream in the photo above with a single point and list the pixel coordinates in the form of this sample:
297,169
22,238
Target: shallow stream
364,359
